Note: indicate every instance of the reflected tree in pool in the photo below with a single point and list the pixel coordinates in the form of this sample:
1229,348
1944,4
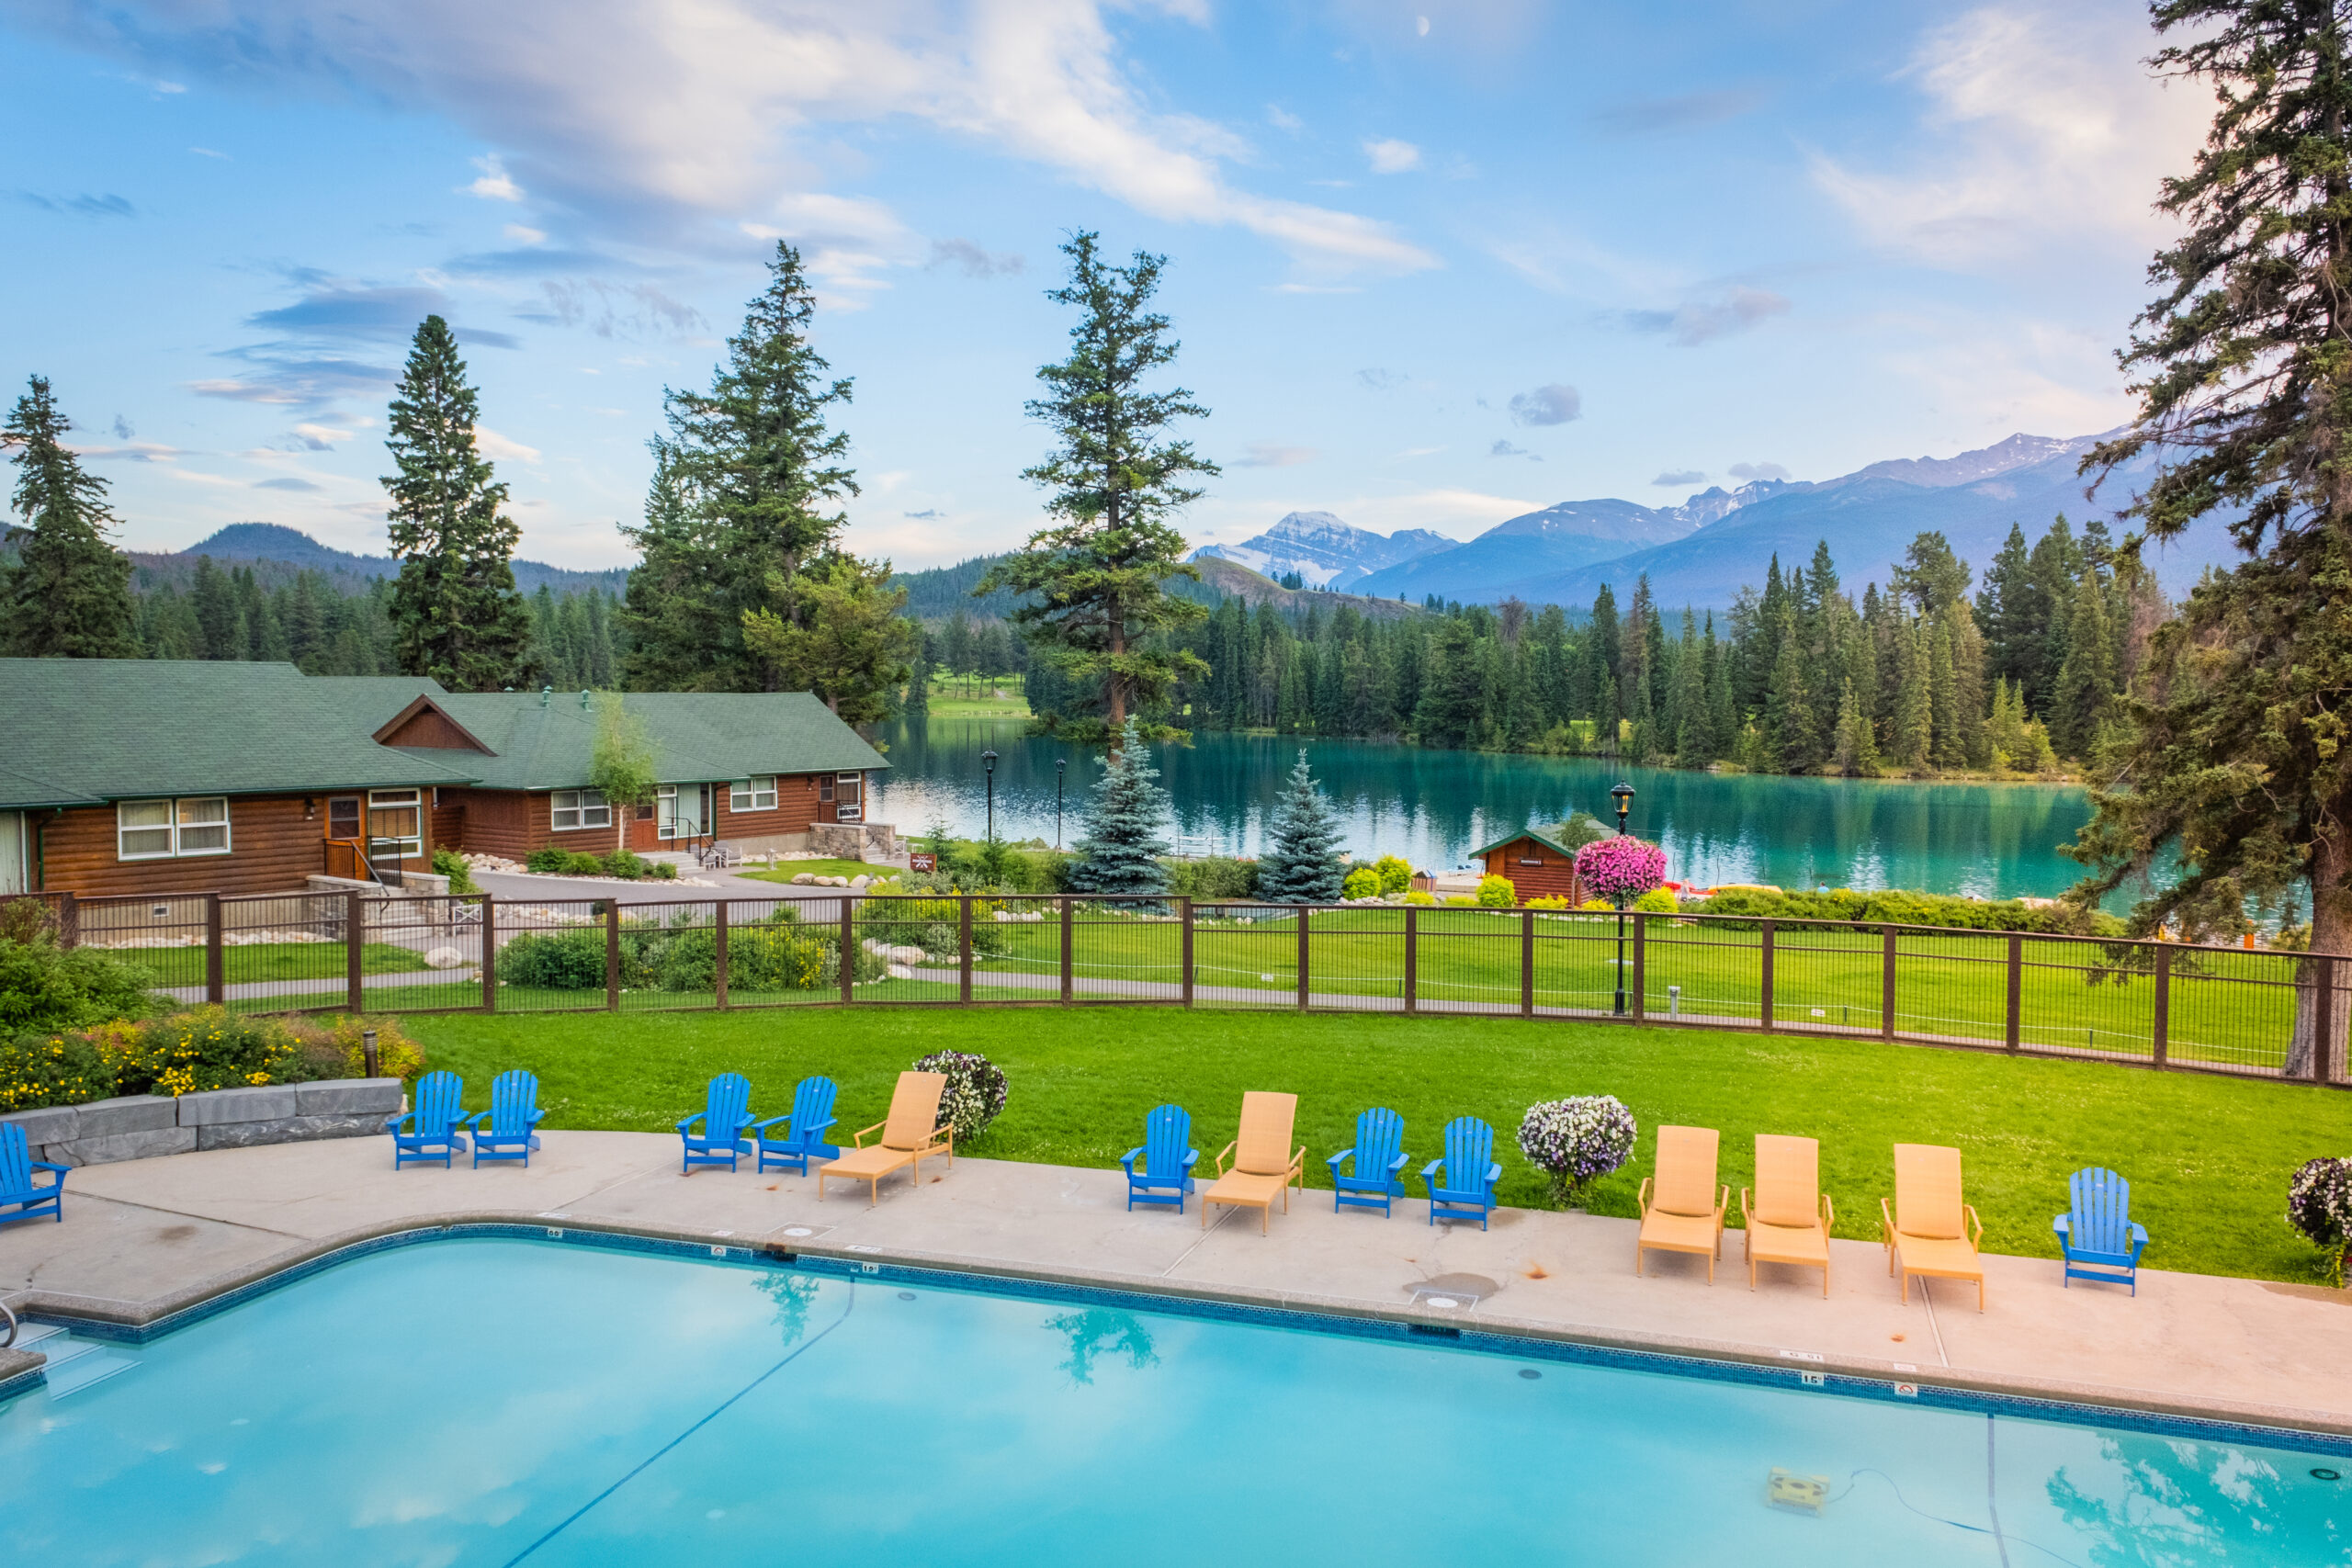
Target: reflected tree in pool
1099,1332
794,1294
2164,1502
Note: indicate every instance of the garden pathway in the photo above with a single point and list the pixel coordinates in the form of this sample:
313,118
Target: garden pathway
147,1237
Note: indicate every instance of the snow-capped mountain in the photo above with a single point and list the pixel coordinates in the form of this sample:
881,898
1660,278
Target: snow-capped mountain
1325,551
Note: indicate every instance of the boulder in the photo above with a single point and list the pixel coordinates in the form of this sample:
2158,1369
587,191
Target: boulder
444,957
804,880
860,880
124,1114
50,1125
123,1146
378,1098
286,1130
266,1103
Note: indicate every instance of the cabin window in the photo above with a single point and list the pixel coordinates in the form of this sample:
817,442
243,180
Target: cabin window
755,794
576,808
343,817
824,789
158,829
846,792
395,824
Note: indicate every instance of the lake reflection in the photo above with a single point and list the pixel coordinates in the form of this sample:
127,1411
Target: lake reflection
1434,807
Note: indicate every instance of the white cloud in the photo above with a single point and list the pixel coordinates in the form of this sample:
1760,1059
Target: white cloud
1391,157
679,111
524,234
501,449
1283,120
208,152
320,437
1273,455
2042,126
131,452
495,183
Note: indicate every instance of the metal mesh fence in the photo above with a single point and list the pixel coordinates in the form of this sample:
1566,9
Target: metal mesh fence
2257,1011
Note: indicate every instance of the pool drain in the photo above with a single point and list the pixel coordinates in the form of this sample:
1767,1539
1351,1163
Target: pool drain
906,1295
1530,1373
2321,1473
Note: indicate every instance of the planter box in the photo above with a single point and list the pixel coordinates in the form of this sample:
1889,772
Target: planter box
140,1126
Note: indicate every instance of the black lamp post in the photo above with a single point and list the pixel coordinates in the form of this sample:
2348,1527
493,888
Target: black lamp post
1061,771
987,762
1623,795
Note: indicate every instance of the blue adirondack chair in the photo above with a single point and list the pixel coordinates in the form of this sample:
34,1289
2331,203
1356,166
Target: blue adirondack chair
724,1116
19,1191
1470,1172
1377,1176
804,1130
427,1130
504,1131
1167,1159
2099,1238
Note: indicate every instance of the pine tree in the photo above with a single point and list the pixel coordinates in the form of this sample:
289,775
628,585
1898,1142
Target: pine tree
1788,701
1692,739
848,639
1092,585
2084,695
674,612
1943,705
1913,734
1722,714
1301,862
1126,826
220,624
68,595
457,615
1853,751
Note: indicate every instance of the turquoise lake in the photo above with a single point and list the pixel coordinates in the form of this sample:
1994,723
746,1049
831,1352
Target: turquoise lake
1434,807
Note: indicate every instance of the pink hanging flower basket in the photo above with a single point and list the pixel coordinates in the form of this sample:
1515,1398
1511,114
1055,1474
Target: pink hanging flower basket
1620,869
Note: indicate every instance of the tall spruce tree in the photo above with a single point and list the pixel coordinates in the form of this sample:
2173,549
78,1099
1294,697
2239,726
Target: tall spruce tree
848,639
68,595
456,614
1092,584
1300,864
1127,825
2236,760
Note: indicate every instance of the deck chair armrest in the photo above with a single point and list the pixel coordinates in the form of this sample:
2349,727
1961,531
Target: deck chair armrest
817,1129
690,1121
1191,1158
62,1169
2139,1233
945,1134
857,1139
1976,1226
537,1117
1745,1218
475,1121
1642,1199
1396,1166
1722,1204
1128,1160
1494,1174
1334,1161
393,1124
1828,1214
1298,1165
2063,1225
1223,1153
1429,1171
762,1126
1887,1222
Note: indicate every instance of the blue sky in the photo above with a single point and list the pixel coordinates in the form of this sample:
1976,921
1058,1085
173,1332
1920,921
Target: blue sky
1432,265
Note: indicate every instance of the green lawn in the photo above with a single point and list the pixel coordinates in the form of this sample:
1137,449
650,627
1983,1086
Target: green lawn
2209,1158
241,965
790,869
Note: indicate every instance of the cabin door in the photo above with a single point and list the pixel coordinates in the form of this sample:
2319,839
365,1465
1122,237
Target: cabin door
16,866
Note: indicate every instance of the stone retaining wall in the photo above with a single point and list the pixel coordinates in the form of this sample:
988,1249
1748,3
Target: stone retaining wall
134,1126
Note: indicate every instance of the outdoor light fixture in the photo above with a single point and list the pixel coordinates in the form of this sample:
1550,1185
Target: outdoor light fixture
1061,771
988,762
1623,795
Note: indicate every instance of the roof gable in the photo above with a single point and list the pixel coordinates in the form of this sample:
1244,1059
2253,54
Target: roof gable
1543,838
547,739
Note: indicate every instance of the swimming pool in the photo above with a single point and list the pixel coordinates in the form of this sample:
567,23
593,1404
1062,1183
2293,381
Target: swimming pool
507,1401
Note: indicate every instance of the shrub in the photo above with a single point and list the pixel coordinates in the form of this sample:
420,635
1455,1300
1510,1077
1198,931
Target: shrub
1421,897
664,871
1558,901
45,988
209,1048
975,1092
1395,872
1213,877
1576,1141
1907,909
1497,893
1581,828
577,863
450,863
554,961
2319,1205
336,1046
1656,901
547,860
1361,883
1603,905
1461,901
1620,868
626,863
51,1069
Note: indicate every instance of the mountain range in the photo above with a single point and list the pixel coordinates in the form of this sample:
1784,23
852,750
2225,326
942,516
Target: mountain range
1702,552
267,546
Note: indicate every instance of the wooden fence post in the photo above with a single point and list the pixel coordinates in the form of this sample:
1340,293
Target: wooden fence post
1302,956
354,949
2016,1027
2160,1012
489,953
1184,913
1886,991
1764,980
2324,1037
1527,964
1412,959
964,952
1070,983
849,950
718,951
1640,966
612,954
214,990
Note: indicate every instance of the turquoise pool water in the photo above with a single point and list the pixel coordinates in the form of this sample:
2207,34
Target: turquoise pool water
501,1401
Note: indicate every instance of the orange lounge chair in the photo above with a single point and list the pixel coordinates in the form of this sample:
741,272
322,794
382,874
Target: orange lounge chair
1929,1232
1682,1208
1267,1163
912,1132
1788,1216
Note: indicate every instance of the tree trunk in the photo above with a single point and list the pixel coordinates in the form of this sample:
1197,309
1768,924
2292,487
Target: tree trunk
2331,934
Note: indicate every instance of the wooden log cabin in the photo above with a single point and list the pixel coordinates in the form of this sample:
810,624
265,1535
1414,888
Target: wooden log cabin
149,776
1535,866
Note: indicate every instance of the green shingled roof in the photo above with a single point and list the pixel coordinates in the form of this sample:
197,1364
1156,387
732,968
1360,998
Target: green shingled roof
698,737
1542,838
88,730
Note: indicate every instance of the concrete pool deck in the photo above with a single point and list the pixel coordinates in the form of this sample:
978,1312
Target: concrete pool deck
145,1238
